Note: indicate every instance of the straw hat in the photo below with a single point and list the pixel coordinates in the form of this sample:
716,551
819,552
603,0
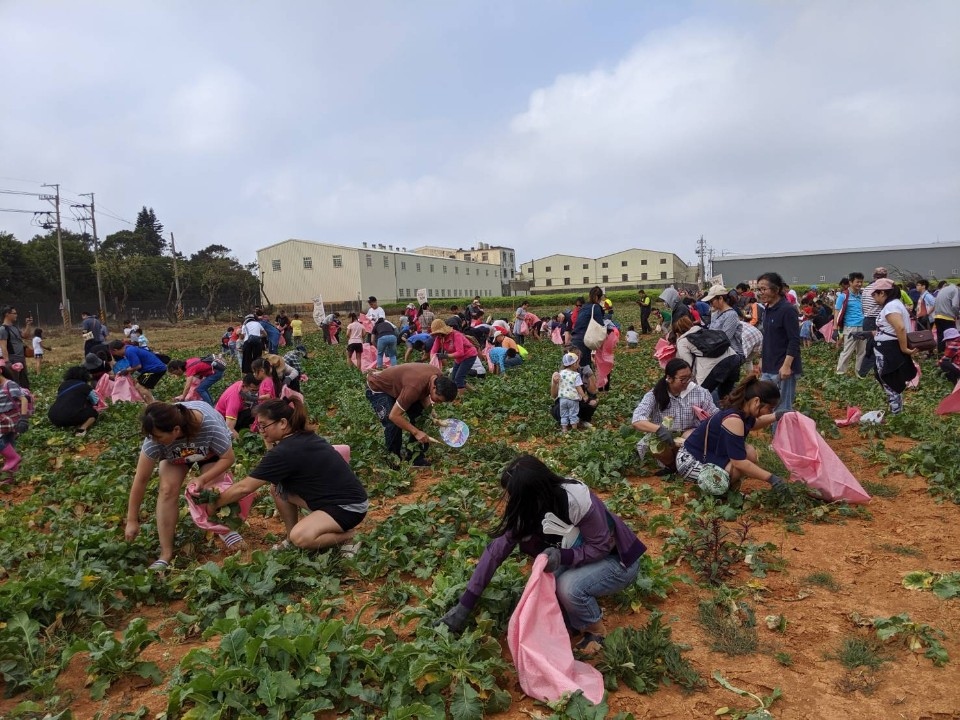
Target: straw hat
439,327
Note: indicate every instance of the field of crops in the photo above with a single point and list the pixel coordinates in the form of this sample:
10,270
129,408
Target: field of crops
813,610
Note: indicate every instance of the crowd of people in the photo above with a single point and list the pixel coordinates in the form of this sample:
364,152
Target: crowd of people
730,358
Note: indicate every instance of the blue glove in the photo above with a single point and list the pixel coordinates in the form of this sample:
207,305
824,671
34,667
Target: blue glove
665,435
455,618
778,485
553,559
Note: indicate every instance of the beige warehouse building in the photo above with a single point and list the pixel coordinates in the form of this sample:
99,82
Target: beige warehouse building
296,271
621,270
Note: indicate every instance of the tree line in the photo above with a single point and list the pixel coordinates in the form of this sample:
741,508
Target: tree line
135,265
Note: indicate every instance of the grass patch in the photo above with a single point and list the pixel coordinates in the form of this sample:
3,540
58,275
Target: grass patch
906,550
879,489
822,579
858,652
784,658
731,626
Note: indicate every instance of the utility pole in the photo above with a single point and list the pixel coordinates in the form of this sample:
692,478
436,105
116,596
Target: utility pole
64,303
176,278
701,253
96,257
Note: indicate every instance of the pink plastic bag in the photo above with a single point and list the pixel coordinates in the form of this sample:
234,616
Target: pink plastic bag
852,418
810,459
124,390
344,451
199,512
104,390
366,322
557,336
603,358
286,392
540,644
827,332
664,352
487,347
435,362
332,333
951,403
368,358
192,393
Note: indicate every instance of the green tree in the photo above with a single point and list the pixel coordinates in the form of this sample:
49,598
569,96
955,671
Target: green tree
13,266
150,231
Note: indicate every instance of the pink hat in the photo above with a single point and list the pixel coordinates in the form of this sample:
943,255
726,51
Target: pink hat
882,284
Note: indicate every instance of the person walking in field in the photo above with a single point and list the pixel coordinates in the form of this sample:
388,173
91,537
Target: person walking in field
646,305
849,321
12,349
38,349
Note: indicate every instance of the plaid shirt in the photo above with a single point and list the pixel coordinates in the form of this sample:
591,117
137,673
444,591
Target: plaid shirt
680,409
752,339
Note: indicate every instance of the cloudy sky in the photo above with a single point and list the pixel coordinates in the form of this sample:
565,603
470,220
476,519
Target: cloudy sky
544,125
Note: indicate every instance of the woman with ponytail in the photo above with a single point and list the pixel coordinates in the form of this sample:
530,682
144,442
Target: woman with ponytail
668,411
307,473
271,384
178,437
720,441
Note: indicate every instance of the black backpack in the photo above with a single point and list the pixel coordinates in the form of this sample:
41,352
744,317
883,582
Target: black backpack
710,343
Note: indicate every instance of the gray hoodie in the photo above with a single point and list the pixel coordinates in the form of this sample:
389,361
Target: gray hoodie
671,299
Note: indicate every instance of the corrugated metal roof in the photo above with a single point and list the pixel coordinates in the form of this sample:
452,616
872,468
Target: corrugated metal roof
814,253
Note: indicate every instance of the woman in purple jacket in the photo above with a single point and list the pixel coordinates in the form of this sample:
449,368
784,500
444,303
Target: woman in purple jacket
590,551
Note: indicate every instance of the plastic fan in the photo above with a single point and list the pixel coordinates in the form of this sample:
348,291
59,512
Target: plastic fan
454,432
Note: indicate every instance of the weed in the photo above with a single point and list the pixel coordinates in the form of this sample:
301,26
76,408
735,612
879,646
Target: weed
907,550
761,712
915,636
944,585
864,681
879,489
784,658
711,548
823,579
730,623
857,652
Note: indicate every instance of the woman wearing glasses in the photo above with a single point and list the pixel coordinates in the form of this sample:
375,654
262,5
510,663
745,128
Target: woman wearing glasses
307,473
178,437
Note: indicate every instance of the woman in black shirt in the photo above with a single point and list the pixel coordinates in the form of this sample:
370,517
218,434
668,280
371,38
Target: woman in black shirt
74,406
306,472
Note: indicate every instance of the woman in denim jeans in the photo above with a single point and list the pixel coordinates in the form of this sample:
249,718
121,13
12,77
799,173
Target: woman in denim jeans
590,551
385,334
456,345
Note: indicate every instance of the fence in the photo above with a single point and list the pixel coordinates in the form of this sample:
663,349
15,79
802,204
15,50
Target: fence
47,314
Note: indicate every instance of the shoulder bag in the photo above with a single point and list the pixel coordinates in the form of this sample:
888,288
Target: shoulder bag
596,333
921,340
713,479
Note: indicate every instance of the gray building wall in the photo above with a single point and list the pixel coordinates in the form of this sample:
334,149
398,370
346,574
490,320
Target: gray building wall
938,261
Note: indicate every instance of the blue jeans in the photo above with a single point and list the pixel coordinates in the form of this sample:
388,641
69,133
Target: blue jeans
578,588
788,392
382,404
203,389
569,412
386,345
515,361
459,372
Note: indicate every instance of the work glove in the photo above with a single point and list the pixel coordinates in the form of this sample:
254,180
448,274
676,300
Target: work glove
665,435
456,618
780,413
553,559
22,426
778,484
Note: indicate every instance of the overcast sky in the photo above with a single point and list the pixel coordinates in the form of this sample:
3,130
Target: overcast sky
547,126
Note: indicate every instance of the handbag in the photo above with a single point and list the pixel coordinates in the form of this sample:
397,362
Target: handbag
713,479
596,333
87,336
921,340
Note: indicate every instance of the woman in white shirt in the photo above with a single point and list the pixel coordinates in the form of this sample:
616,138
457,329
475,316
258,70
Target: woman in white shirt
251,337
894,359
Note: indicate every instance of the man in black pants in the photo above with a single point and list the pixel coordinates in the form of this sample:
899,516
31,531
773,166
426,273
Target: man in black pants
645,305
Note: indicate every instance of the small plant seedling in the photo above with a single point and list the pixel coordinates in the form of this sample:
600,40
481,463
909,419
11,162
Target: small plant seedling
879,489
905,550
111,658
944,585
822,579
858,652
784,658
761,712
731,624
916,636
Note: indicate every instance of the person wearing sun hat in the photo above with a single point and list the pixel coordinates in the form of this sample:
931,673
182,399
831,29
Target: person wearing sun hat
95,365
893,357
569,388
724,318
456,345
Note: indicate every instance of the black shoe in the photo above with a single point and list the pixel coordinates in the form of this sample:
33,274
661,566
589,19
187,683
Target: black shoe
422,463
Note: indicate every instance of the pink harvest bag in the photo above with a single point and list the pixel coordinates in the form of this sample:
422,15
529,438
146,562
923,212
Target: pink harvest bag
124,390
951,403
809,458
368,358
664,352
540,644
556,336
104,390
603,358
199,512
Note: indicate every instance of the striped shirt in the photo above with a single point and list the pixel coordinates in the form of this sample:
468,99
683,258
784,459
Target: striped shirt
752,339
212,440
680,409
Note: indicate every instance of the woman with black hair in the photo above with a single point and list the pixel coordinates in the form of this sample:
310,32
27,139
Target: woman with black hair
177,437
780,355
307,473
893,357
593,309
271,384
669,411
719,442
75,403
590,551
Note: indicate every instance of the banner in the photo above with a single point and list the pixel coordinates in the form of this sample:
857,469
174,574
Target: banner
421,296
318,312
717,280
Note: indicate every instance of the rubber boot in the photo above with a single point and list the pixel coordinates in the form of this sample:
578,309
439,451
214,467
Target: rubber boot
11,458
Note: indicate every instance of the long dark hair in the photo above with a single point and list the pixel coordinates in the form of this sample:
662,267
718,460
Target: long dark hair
661,392
270,371
165,417
753,387
596,294
289,409
533,490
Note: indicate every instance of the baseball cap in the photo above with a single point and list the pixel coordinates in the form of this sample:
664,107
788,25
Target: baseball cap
569,359
882,284
715,291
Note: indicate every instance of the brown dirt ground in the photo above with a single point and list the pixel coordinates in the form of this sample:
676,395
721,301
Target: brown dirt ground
854,553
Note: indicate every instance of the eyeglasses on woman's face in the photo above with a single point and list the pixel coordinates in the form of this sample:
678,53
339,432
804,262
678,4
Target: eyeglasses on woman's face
264,426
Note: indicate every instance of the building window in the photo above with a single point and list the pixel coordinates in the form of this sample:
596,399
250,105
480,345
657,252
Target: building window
549,282
623,278
369,261
606,279
663,261
566,267
623,263
566,281
338,261
386,261
403,264
663,276
530,269
466,256
418,267
429,292
456,269
308,263
513,274
643,262
444,269
488,272
275,265
604,265
586,265
548,268
484,257
586,281
643,276
468,271
431,267
823,278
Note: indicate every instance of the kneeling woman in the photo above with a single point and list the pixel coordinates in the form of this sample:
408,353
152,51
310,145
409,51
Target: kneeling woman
599,555
307,473
74,406
719,442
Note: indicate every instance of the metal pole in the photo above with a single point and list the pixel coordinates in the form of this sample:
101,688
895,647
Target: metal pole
96,258
63,272
176,278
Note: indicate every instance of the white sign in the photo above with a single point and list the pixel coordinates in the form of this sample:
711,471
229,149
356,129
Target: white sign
421,296
318,312
717,280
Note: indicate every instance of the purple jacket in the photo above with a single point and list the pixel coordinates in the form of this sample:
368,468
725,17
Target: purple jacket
599,541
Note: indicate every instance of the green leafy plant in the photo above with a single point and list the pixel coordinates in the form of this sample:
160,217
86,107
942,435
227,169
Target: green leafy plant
823,579
228,515
916,637
856,651
730,622
761,712
709,545
944,585
112,658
